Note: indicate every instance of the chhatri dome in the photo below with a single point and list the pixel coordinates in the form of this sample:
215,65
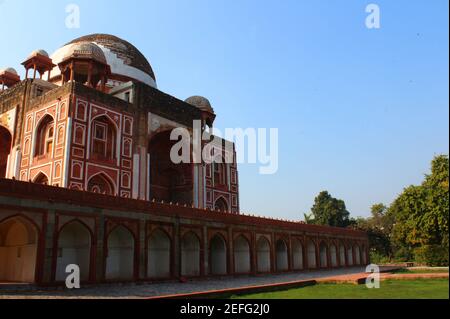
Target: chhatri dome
201,103
126,61
9,70
85,50
38,52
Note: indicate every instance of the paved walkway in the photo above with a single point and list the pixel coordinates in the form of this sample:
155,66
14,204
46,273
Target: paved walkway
140,290
198,288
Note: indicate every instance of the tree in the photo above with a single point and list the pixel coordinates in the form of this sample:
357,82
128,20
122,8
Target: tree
420,216
329,211
377,227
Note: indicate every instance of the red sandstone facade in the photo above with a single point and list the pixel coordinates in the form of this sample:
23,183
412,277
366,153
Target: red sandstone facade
94,137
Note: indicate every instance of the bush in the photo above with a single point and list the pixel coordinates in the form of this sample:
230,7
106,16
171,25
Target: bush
378,258
403,254
432,255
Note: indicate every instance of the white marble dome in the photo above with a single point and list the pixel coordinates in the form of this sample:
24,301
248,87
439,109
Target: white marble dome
126,61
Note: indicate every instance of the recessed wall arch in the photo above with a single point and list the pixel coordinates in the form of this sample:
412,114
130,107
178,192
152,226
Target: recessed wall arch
323,254
120,252
263,254
41,178
221,204
105,138
218,255
159,252
281,255
242,263
297,254
19,241
101,183
75,242
190,254
44,136
312,254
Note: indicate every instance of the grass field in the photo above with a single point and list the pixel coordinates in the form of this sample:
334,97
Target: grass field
420,271
389,289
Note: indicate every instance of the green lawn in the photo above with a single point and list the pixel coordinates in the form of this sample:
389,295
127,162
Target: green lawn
389,289
419,271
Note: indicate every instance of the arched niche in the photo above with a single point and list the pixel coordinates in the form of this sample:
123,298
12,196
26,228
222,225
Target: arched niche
120,255
241,255
190,255
74,247
323,255
18,250
312,256
158,257
263,254
218,255
297,254
281,253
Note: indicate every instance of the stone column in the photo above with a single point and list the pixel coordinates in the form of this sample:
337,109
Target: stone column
230,254
176,267
204,270
142,247
305,253
253,254
48,255
101,245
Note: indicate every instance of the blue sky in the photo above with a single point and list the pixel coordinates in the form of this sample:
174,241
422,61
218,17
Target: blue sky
360,112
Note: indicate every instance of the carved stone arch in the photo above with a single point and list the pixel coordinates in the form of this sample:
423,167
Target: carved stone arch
222,204
41,178
101,183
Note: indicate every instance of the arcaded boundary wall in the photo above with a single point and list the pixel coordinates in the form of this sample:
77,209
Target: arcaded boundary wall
43,228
